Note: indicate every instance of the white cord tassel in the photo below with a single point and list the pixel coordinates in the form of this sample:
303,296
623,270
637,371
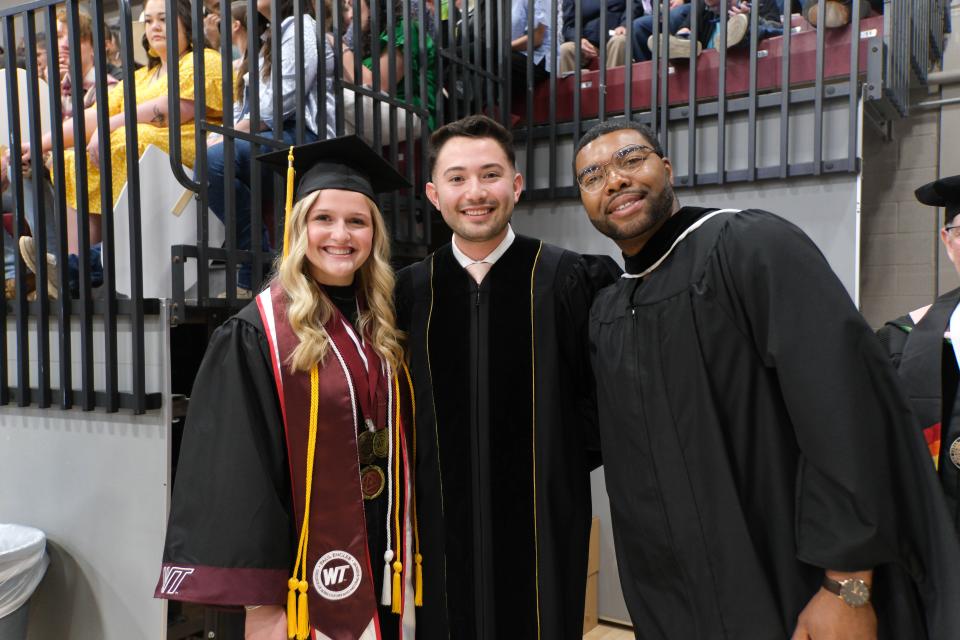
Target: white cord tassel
386,594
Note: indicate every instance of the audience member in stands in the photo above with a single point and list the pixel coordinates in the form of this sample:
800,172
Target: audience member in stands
243,150
590,11
738,26
211,23
42,56
112,46
7,206
838,13
87,70
151,85
238,33
404,37
520,21
678,16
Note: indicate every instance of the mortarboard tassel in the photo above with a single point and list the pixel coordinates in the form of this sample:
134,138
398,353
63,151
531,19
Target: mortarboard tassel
289,206
418,559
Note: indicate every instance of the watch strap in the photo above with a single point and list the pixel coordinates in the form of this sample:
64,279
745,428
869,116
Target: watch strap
831,585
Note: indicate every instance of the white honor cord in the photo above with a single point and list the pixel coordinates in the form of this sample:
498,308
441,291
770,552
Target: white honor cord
696,225
357,344
387,587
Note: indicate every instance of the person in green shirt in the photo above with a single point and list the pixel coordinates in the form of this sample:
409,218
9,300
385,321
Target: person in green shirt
405,35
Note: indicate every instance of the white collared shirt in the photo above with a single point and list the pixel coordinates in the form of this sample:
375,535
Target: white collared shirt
491,257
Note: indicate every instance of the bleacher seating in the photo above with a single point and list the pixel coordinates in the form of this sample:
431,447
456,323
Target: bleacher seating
803,61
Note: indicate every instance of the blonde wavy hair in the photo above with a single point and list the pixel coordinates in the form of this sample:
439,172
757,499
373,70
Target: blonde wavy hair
308,310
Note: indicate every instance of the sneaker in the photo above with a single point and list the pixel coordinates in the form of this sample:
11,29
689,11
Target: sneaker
737,28
28,251
835,14
677,47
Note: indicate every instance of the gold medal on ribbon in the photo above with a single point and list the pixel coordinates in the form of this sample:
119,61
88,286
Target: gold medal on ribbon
365,447
372,482
954,452
381,444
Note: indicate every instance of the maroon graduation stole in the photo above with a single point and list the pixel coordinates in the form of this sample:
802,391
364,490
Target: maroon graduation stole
334,580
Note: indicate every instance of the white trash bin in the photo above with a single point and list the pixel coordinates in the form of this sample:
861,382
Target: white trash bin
23,561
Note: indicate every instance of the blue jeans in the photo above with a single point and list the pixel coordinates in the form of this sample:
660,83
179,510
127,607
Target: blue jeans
643,29
11,249
216,195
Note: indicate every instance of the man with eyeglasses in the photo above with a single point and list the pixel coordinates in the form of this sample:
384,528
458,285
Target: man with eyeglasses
762,471
920,345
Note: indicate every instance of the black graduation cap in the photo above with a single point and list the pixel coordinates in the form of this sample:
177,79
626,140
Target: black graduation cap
945,193
346,163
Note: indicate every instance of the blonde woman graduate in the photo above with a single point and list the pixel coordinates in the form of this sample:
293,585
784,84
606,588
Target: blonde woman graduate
292,492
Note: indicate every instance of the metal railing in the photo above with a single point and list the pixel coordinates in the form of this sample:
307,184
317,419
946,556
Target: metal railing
35,320
877,59
815,73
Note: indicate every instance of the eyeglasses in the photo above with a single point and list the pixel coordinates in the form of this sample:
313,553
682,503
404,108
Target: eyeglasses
628,160
953,231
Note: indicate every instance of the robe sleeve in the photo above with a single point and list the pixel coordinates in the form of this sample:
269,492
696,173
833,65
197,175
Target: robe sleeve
229,534
581,281
865,493
893,337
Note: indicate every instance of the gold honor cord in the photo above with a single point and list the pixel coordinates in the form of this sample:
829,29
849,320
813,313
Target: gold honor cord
436,426
417,558
298,622
533,389
289,206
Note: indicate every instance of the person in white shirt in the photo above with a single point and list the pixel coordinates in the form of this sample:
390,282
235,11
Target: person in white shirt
243,150
496,329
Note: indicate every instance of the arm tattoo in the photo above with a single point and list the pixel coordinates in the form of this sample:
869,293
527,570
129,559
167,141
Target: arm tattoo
159,118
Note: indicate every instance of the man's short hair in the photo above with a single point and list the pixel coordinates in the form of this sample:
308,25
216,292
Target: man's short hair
477,126
85,23
618,124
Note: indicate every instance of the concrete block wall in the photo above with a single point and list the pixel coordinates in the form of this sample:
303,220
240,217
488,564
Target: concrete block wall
899,252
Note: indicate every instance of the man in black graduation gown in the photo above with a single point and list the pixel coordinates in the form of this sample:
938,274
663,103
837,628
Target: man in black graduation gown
920,346
764,479
496,326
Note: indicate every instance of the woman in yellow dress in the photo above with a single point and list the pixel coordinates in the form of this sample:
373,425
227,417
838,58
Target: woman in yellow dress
150,87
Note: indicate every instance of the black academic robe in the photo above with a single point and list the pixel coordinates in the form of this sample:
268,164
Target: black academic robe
753,434
504,410
231,537
925,360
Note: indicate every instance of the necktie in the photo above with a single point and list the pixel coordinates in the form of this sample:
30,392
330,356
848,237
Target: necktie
478,270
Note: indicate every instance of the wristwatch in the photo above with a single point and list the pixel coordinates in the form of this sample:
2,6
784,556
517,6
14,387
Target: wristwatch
854,592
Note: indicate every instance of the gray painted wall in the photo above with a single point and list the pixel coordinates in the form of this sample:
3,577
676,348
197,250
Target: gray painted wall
97,485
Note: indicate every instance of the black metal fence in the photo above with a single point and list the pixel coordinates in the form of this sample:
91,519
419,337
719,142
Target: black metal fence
33,321
463,62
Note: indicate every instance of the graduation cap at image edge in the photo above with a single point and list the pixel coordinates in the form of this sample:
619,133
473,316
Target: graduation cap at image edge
945,193
346,163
